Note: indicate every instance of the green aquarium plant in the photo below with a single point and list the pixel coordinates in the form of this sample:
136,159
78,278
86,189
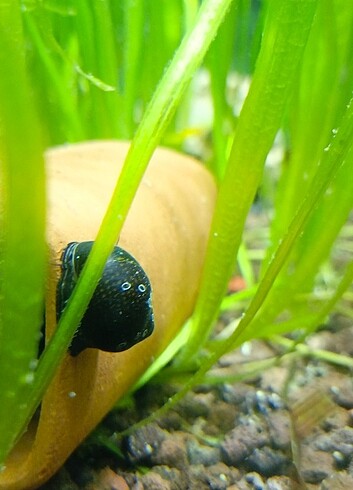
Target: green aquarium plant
23,251
164,102
98,70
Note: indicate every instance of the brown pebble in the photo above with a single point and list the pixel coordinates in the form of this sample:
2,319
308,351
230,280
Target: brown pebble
315,466
172,452
107,479
338,481
154,481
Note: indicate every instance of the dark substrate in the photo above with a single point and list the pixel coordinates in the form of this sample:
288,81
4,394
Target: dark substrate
289,427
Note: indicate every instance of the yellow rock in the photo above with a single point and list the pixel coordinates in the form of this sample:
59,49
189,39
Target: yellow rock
166,231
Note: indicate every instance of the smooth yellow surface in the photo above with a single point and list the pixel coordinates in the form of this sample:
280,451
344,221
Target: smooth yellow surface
166,231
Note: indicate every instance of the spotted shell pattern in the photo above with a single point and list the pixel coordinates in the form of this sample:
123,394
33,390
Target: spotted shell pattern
120,312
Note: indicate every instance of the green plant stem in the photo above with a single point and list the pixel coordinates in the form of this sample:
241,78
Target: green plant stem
71,120
133,51
158,114
22,218
319,354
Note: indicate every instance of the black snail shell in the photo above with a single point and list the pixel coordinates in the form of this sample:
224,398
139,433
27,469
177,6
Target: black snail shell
120,313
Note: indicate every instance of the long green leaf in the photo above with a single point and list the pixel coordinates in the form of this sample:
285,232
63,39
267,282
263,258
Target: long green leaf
332,162
284,39
340,146
163,105
22,221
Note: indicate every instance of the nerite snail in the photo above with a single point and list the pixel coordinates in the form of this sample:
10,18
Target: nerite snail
120,313
166,230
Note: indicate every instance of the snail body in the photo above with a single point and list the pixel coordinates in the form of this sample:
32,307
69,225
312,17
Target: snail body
120,313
